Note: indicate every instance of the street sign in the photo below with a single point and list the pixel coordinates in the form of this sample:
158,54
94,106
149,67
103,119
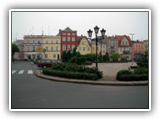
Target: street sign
40,49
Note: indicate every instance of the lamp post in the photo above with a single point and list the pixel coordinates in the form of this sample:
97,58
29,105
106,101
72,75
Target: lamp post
44,50
96,29
132,47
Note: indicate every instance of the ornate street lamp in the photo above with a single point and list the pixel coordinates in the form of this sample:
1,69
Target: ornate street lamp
96,29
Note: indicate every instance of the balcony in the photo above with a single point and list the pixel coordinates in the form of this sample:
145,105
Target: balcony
126,52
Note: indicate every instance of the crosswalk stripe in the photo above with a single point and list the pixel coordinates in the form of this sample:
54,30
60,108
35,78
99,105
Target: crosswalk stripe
21,72
30,72
13,71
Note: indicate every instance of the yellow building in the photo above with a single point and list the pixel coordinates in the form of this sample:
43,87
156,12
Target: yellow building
52,44
83,46
101,47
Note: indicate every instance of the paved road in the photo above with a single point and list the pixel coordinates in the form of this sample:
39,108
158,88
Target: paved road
29,91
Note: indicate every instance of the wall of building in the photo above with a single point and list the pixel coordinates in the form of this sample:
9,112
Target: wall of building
52,44
84,47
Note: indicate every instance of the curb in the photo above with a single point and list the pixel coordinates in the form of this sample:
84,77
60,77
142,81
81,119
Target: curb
117,83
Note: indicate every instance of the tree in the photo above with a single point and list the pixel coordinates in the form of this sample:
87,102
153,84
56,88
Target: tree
107,56
100,57
14,49
64,56
69,55
115,56
74,52
143,61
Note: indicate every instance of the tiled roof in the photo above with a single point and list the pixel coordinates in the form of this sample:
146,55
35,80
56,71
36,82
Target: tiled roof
120,37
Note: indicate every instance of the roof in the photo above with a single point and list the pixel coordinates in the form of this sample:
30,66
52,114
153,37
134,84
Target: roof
120,37
67,29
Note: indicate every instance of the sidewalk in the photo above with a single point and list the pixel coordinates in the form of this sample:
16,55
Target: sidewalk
99,82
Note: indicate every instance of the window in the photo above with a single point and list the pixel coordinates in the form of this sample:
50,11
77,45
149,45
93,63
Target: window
28,41
129,49
33,41
68,33
64,33
123,43
79,48
139,45
97,47
33,48
46,41
56,41
103,51
46,48
84,48
124,49
109,42
46,55
39,41
54,55
103,46
85,42
51,48
73,33
115,48
56,48
109,49
48,61
64,38
92,48
68,38
126,42
82,42
27,48
68,47
52,41
64,47
136,45
73,38
88,48
121,49
73,47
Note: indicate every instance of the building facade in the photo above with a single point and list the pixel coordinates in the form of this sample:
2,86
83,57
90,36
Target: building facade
145,45
138,49
52,45
84,46
111,44
124,46
31,44
101,47
19,55
68,39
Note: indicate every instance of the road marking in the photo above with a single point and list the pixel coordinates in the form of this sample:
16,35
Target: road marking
21,72
13,71
30,72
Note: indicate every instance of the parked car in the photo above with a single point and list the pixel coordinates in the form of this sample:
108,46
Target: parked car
46,63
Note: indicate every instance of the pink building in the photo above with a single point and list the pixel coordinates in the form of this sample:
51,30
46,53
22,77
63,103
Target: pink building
31,44
138,49
19,55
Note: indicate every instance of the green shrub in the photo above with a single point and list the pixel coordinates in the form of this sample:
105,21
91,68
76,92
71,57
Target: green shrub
130,77
115,56
122,72
75,75
141,70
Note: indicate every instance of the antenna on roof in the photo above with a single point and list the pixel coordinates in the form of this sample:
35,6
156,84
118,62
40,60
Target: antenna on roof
42,30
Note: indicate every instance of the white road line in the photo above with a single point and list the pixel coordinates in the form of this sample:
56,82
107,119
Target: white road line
21,72
30,72
13,71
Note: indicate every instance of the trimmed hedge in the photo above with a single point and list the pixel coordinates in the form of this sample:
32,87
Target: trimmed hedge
130,77
122,72
66,74
68,67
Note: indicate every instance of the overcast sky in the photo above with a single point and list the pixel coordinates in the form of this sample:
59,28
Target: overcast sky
115,23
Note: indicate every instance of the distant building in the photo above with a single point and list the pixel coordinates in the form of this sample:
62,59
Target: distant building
19,55
138,49
31,44
52,44
145,45
124,46
84,46
101,47
68,39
